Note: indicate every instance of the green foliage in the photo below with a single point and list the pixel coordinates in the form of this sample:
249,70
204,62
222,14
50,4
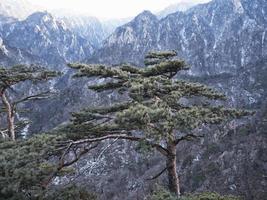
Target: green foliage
157,109
13,76
144,148
71,192
98,70
170,66
153,106
160,55
25,165
211,149
162,194
20,73
209,196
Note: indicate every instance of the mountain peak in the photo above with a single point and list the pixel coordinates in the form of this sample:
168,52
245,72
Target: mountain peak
40,16
146,14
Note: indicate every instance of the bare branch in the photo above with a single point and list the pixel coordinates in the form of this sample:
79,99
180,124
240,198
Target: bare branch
79,155
40,96
187,137
158,175
62,163
123,137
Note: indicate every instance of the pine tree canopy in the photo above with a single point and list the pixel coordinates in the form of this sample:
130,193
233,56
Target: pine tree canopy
154,104
9,77
157,110
20,73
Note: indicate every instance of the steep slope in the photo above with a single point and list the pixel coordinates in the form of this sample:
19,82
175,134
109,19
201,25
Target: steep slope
216,37
181,6
12,55
130,41
3,52
5,20
87,27
90,28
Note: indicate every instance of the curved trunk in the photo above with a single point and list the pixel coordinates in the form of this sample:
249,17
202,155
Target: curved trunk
174,185
10,117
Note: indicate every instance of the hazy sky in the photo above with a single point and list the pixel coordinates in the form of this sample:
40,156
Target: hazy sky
108,8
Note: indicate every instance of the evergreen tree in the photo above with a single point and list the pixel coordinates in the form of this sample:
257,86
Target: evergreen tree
27,167
154,113
9,78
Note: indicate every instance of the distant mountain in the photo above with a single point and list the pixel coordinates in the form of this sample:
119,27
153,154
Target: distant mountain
111,24
89,28
44,36
182,7
92,29
135,37
218,37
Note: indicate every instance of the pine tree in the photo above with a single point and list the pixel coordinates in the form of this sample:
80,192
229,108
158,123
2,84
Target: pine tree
9,78
155,113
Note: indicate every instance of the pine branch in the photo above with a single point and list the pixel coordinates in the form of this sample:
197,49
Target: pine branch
160,55
21,73
131,69
102,71
107,86
62,164
40,96
165,67
123,137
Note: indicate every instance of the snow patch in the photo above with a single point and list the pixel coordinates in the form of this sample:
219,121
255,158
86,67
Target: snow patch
243,56
212,18
2,47
197,158
24,132
263,39
238,6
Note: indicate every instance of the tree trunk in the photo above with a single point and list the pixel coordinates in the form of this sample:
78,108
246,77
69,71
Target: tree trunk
174,185
10,117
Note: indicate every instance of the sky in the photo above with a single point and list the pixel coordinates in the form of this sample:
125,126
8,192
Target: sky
106,9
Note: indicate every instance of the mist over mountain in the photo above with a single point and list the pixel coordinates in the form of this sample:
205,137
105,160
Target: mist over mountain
18,9
182,7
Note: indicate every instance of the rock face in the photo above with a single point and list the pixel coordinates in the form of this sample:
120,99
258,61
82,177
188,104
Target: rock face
91,28
88,27
182,6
